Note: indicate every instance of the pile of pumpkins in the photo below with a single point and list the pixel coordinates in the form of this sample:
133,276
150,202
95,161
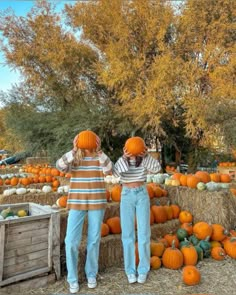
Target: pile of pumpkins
191,244
9,214
201,180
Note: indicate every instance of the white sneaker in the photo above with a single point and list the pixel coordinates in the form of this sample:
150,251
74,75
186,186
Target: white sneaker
132,278
142,278
74,288
92,283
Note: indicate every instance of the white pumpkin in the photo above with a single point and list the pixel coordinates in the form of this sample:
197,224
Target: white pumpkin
9,192
224,185
46,189
60,189
66,188
201,186
21,191
212,186
168,181
38,190
32,190
159,178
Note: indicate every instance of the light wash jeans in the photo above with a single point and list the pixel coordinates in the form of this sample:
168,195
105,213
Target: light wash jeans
73,238
135,202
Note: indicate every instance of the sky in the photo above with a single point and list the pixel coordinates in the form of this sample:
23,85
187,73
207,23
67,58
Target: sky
9,77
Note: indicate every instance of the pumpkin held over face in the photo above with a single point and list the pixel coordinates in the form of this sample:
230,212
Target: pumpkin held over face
87,140
135,145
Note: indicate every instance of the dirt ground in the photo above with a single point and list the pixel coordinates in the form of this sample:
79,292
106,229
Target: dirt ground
217,278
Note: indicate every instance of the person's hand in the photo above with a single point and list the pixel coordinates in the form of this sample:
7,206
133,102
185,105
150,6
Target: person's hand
144,153
75,147
126,154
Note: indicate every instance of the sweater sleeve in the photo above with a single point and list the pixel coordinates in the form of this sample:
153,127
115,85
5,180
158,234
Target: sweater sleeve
120,166
151,164
64,163
105,163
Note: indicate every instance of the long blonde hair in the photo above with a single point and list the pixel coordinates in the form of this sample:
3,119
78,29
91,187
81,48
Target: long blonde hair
81,153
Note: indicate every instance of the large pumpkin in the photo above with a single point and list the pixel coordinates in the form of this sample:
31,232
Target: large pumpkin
87,140
135,145
172,257
202,230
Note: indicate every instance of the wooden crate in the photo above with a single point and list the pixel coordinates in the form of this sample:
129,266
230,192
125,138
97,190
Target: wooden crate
29,246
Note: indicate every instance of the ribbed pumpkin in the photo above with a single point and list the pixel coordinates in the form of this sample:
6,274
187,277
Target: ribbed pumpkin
169,211
172,257
202,230
190,255
170,238
114,225
157,248
218,232
215,177
191,275
183,180
116,193
150,191
192,181
185,216
175,210
135,145
155,262
14,181
160,215
225,178
62,201
203,176
218,253
104,230
87,140
230,247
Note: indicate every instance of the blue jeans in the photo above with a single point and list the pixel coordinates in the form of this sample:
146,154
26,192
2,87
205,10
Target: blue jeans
135,202
73,238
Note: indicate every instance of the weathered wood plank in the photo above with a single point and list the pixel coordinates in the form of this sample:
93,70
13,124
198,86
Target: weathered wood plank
2,243
24,267
23,258
22,227
26,234
25,250
56,244
40,239
23,276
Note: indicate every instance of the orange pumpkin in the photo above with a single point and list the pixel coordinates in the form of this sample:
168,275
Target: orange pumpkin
230,247
116,193
218,253
157,248
202,230
172,257
87,140
14,181
215,177
185,217
188,226
104,230
176,210
114,225
192,181
190,255
150,191
225,178
135,145
191,275
160,215
62,201
203,176
155,262
183,180
218,232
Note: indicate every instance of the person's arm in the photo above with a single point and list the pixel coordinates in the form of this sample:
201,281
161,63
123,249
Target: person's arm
151,164
105,162
64,163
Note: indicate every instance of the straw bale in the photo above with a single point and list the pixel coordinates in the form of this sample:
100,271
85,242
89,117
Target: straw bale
111,250
39,198
63,180
212,207
9,170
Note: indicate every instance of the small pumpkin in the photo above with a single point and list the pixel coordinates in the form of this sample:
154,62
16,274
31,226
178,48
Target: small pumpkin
135,145
116,193
157,248
230,247
104,230
62,201
202,230
181,234
160,215
172,257
114,225
155,262
218,232
218,253
190,255
191,275
185,217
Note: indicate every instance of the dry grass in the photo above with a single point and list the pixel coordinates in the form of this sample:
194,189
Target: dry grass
218,278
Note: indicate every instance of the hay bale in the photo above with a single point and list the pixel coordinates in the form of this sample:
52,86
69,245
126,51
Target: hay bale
39,198
211,207
63,180
111,250
9,170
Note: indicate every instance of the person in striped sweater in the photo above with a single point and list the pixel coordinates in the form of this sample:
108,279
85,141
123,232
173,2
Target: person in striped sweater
87,196
135,203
